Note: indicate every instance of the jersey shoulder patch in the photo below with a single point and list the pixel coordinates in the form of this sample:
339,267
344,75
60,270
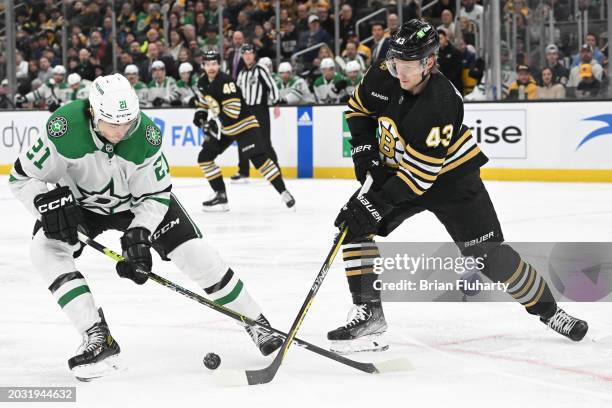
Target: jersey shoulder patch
68,129
143,144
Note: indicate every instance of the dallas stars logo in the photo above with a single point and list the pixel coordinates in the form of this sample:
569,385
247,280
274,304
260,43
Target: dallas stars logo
104,200
153,135
57,127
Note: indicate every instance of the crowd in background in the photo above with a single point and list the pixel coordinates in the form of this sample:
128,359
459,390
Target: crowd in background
164,72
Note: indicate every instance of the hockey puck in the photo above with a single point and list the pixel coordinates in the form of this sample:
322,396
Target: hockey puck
212,361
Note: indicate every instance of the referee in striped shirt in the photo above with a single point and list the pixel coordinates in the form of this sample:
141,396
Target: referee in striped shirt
257,88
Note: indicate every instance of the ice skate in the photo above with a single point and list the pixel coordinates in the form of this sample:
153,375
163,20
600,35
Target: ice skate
569,326
98,355
265,341
364,330
217,203
288,199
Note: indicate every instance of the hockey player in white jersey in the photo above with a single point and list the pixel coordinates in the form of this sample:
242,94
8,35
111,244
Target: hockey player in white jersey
131,72
353,78
162,88
78,88
329,87
51,92
293,89
187,86
105,158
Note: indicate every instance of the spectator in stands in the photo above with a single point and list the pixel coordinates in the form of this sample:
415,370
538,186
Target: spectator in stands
302,23
471,10
44,69
449,60
264,47
448,23
468,66
98,49
380,45
245,25
314,35
85,68
5,101
235,64
350,54
548,88
176,43
440,6
330,87
524,87
210,41
22,66
289,39
467,31
559,72
392,24
586,57
293,89
347,22
326,22
598,56
127,18
589,86
162,89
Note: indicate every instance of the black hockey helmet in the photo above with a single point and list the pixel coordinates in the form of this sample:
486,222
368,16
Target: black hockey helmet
212,55
414,41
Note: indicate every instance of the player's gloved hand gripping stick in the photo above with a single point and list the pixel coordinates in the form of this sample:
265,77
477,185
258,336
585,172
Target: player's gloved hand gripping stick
267,374
386,366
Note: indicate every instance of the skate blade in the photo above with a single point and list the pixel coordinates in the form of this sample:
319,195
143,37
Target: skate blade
216,208
240,181
369,343
108,366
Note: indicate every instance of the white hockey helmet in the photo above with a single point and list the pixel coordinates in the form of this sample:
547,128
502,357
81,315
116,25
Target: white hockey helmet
266,63
74,79
284,67
185,67
352,66
130,69
59,70
113,100
327,63
157,64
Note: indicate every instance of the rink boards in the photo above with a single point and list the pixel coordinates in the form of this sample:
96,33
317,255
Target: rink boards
543,141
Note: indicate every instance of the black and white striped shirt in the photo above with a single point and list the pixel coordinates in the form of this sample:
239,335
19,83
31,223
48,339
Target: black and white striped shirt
257,86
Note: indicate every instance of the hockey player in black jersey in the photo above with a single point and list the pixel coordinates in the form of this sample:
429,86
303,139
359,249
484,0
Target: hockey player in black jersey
425,159
226,118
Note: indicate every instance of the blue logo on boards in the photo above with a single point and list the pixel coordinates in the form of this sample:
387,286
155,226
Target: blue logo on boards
604,130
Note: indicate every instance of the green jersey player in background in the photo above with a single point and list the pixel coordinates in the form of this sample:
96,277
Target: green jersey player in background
105,158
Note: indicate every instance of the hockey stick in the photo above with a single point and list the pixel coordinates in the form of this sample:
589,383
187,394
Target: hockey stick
265,375
385,366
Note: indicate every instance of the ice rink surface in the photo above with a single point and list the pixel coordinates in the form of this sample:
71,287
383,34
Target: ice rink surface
464,354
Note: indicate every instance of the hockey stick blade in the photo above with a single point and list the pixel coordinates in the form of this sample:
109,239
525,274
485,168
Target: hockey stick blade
236,379
265,375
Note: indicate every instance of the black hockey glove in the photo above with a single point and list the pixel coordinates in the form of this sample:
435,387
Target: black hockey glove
192,102
367,160
158,102
340,85
176,102
361,215
53,106
60,214
136,248
211,129
199,118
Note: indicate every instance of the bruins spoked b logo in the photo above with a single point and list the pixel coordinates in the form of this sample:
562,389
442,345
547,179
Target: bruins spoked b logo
57,127
153,135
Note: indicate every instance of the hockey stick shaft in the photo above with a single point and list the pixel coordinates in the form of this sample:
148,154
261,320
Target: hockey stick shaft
267,374
365,367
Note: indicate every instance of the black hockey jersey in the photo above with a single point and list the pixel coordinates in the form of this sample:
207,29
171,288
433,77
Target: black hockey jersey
422,137
223,98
